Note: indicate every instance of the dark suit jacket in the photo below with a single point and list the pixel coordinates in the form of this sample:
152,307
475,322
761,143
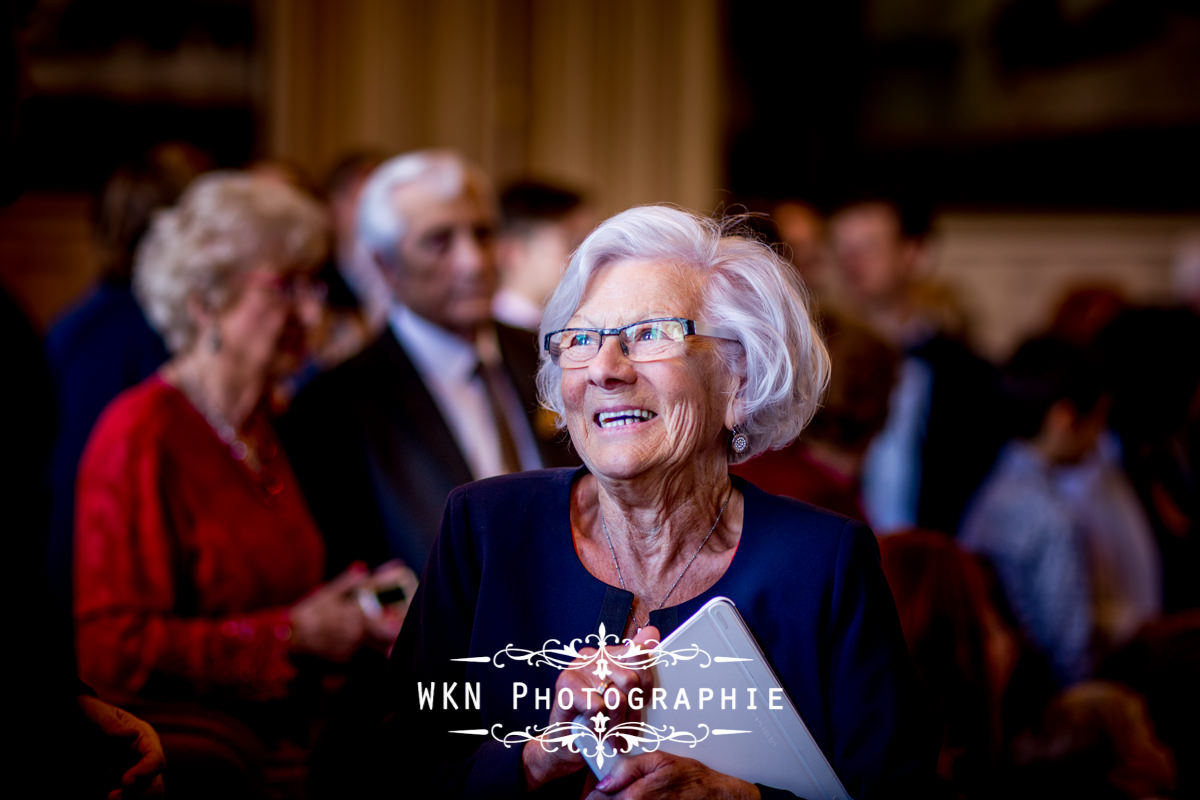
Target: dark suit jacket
375,457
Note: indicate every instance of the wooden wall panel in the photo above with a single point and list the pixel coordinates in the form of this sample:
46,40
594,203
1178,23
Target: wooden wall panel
621,97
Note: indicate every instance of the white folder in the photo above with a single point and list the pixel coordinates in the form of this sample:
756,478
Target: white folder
765,745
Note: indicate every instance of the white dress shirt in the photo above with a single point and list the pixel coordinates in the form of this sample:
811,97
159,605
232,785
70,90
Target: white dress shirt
449,366
892,468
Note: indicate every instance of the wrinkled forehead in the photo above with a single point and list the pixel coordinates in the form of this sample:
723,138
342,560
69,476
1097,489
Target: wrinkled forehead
628,289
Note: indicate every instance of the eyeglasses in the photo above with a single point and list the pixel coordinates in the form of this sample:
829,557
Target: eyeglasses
648,340
288,286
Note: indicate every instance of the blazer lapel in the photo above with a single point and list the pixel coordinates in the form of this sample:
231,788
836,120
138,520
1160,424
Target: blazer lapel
412,409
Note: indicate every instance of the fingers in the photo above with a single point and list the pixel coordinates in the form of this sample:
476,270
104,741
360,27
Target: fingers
390,569
610,690
329,622
647,636
628,771
144,777
542,765
629,679
354,576
152,761
662,775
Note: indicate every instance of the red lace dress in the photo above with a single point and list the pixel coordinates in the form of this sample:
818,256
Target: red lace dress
186,560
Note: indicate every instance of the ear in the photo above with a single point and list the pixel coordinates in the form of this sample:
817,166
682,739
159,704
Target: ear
200,310
382,264
735,406
388,269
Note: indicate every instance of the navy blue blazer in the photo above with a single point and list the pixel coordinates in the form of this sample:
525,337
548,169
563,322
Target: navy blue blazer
504,571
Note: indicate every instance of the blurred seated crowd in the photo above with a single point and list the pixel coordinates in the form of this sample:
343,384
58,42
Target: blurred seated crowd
253,420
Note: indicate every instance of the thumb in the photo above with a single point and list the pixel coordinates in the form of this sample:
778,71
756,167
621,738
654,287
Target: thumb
626,771
389,565
648,634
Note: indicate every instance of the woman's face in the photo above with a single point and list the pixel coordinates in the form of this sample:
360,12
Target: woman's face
264,329
629,419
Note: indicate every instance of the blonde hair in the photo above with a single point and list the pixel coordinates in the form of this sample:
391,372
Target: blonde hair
224,224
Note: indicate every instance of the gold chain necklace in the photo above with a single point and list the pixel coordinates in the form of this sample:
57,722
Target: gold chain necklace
241,449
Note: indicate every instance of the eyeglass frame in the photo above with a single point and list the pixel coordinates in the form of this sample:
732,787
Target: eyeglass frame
690,328
287,285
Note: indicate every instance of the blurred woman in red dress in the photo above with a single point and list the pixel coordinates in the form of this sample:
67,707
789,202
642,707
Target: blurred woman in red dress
198,568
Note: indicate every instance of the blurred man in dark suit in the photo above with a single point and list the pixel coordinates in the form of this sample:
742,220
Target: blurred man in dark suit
443,396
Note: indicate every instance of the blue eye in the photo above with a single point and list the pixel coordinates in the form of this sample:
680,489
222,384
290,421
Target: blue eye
579,339
649,333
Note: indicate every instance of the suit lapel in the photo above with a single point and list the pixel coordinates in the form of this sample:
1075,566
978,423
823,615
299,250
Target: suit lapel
519,351
412,409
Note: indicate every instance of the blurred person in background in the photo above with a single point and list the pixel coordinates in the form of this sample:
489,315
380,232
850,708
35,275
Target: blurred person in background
339,327
1022,523
965,652
1085,309
1095,740
103,345
343,187
70,740
198,594
802,228
824,467
1185,270
1124,556
933,451
443,395
1152,362
540,224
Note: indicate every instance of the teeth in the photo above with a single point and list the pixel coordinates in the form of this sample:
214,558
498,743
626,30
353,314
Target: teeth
615,419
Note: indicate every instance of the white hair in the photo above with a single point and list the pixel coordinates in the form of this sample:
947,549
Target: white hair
380,227
748,291
224,224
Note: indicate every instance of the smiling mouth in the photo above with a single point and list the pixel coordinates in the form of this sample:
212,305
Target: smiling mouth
616,419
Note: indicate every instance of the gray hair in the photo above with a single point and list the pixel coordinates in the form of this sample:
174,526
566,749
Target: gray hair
224,224
748,291
380,226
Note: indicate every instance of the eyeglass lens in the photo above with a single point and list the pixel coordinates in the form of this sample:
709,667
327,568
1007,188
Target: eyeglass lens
640,341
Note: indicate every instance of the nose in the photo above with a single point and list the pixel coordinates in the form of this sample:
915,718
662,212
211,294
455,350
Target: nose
473,255
611,365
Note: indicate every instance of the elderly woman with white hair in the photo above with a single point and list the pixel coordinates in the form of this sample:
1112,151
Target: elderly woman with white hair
198,574
672,348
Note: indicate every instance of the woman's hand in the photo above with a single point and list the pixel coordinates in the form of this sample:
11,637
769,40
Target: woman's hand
384,618
663,775
329,622
144,760
542,766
